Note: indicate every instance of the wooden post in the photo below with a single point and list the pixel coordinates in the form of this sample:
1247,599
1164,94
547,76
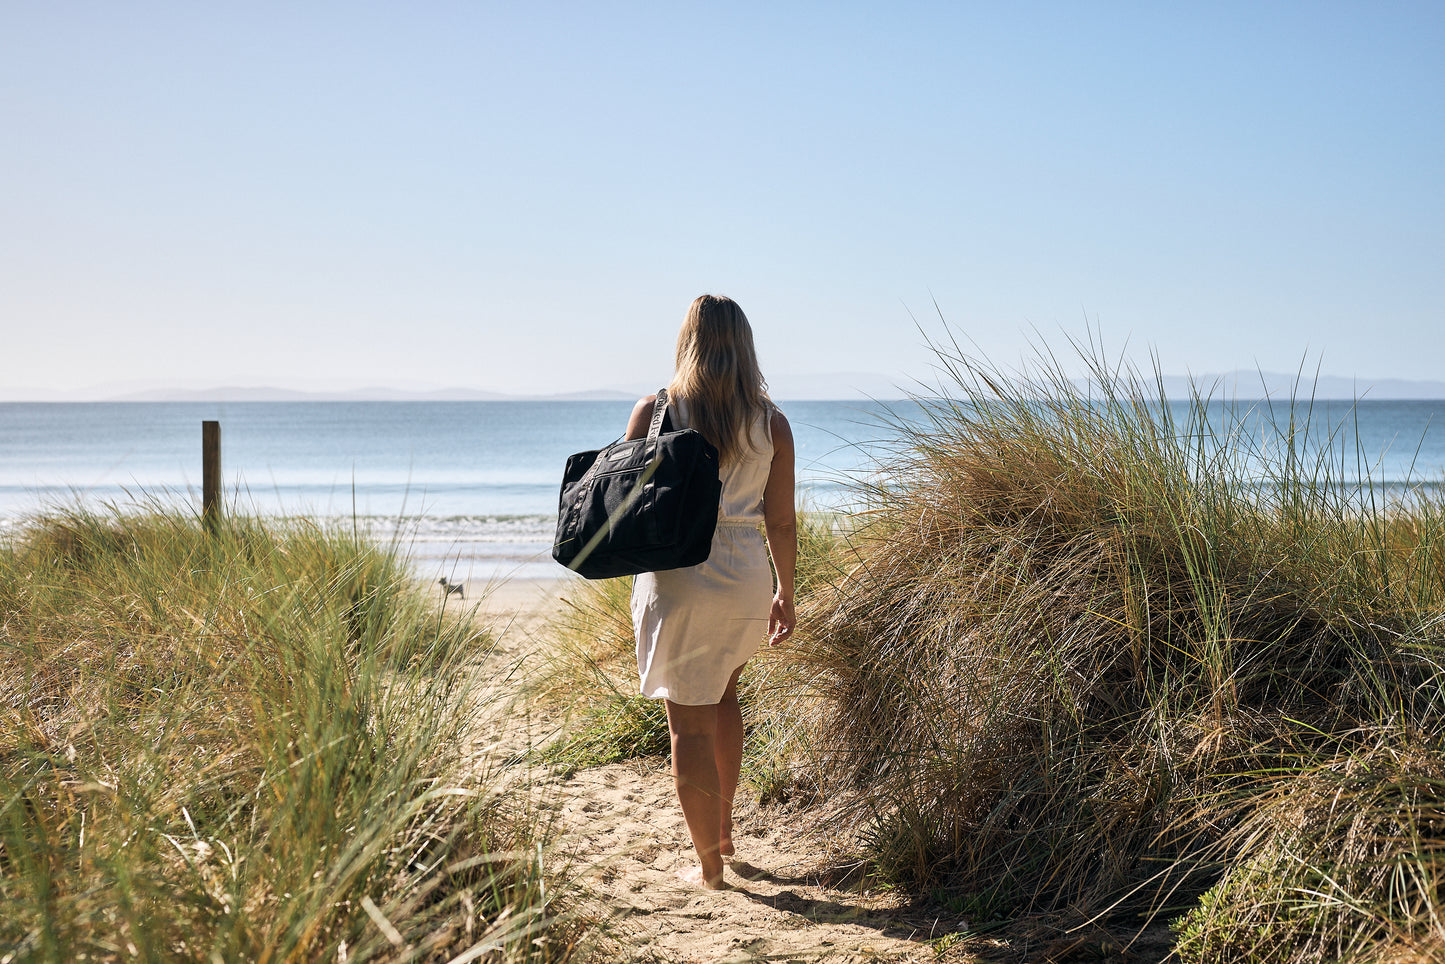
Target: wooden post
211,474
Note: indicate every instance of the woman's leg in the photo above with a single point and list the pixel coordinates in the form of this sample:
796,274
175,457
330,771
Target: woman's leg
728,754
695,774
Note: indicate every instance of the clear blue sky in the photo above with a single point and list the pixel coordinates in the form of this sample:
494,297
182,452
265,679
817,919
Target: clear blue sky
526,196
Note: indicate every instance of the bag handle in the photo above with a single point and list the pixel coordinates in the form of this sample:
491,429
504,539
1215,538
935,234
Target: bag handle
659,412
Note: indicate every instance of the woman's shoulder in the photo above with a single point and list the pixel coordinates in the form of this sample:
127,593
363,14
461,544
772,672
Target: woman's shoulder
641,417
779,431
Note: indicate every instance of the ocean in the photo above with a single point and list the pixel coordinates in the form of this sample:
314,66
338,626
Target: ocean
469,489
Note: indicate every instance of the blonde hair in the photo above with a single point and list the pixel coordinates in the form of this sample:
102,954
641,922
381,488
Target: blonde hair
717,375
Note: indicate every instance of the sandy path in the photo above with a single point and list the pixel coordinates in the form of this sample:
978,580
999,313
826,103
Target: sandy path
622,825
625,817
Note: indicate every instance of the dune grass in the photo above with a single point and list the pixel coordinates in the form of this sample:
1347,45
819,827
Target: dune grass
247,747
1099,665
1090,662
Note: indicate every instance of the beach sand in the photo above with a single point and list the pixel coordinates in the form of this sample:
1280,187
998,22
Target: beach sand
530,599
622,826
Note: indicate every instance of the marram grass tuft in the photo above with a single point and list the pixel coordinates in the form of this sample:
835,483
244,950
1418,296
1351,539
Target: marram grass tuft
246,747
1088,659
1089,646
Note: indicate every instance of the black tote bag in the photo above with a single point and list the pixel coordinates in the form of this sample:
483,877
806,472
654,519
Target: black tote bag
642,505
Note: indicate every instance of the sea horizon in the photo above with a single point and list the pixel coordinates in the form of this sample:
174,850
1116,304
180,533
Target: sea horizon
468,488
1241,385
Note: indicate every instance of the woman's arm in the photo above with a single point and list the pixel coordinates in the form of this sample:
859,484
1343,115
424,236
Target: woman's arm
641,418
780,518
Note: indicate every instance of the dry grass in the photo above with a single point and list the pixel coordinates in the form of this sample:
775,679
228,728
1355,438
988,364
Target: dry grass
1341,861
245,748
1087,661
1087,647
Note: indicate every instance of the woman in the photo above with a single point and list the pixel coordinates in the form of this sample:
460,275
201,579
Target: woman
696,627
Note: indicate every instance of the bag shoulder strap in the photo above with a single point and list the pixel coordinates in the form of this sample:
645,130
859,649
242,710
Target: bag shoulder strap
659,412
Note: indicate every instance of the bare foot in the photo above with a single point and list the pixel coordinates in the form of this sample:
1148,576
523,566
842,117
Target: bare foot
693,877
725,840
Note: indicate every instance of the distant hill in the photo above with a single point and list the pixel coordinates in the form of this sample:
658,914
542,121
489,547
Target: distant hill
840,385
265,393
843,386
1253,384
377,394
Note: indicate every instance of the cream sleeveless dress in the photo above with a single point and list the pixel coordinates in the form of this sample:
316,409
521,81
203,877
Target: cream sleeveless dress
696,626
